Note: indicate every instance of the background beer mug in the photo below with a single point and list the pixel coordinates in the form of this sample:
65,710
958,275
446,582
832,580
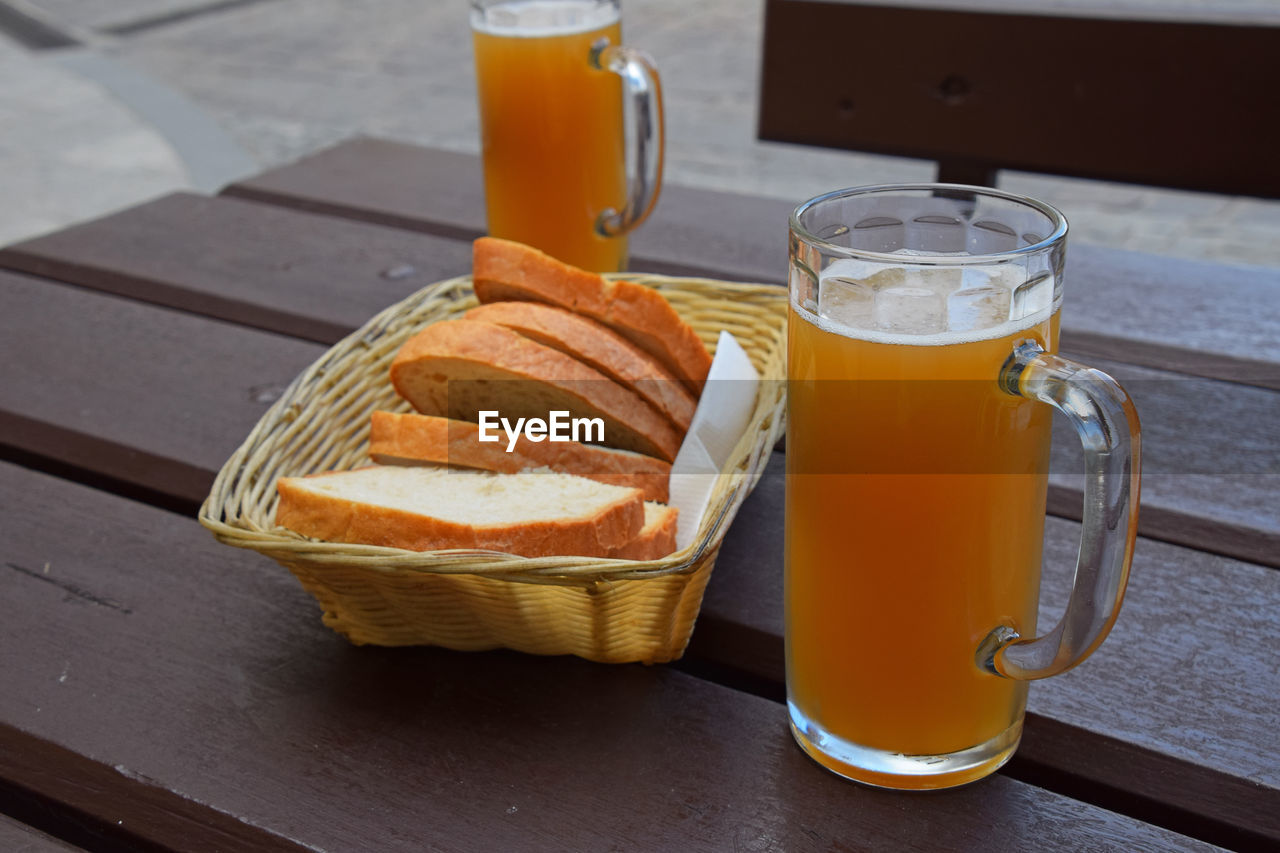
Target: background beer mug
922,331
551,76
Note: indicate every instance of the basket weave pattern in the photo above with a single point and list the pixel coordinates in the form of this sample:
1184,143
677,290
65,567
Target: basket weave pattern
604,610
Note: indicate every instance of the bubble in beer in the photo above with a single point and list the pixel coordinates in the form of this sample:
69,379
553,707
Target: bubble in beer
1033,296
942,280
852,269
910,310
846,301
974,308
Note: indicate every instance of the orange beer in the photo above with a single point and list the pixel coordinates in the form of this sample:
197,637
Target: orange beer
915,515
551,128
923,374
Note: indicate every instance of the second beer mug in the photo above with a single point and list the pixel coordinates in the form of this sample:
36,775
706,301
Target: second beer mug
554,83
922,371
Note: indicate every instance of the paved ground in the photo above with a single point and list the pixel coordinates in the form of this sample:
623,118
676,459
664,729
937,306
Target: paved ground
156,95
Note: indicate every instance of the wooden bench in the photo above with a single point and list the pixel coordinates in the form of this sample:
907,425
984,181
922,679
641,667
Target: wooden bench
1009,84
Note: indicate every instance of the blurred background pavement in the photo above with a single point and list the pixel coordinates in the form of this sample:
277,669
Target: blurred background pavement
107,103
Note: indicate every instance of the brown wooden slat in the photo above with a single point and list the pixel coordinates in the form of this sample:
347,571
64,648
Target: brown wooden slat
1178,795
1211,462
1191,668
214,680
158,399
1090,346
1181,528
105,809
309,276
438,194
145,401
692,232
132,392
1193,317
1151,102
19,838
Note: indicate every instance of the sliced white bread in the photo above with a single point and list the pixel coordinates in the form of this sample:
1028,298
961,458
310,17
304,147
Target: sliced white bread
459,368
503,270
656,539
430,508
600,347
408,439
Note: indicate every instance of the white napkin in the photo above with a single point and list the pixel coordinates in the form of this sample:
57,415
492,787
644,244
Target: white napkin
722,416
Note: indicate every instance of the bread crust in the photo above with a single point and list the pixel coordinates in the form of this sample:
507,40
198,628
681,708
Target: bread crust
494,368
400,439
657,539
601,348
336,519
503,270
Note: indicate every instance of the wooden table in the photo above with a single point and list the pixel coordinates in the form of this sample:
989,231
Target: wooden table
161,691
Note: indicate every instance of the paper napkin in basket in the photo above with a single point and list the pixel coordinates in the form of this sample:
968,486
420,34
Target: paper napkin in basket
723,414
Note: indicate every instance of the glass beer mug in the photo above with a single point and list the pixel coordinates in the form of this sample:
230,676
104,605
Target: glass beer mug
553,82
923,326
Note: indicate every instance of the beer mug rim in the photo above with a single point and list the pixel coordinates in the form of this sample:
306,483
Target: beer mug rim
482,7
485,4
1055,219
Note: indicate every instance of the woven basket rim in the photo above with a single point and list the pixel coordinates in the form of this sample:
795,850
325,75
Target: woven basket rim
743,470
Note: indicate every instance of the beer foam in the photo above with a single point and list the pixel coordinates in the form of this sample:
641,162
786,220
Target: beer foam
932,339
542,18
928,306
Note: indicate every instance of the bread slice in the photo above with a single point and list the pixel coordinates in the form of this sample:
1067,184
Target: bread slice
431,508
504,271
600,347
460,368
405,439
657,539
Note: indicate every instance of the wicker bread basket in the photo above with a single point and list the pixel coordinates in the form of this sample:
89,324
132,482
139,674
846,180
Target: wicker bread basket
604,610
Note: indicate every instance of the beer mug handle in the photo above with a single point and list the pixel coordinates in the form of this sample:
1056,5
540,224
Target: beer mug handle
1107,423
643,92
